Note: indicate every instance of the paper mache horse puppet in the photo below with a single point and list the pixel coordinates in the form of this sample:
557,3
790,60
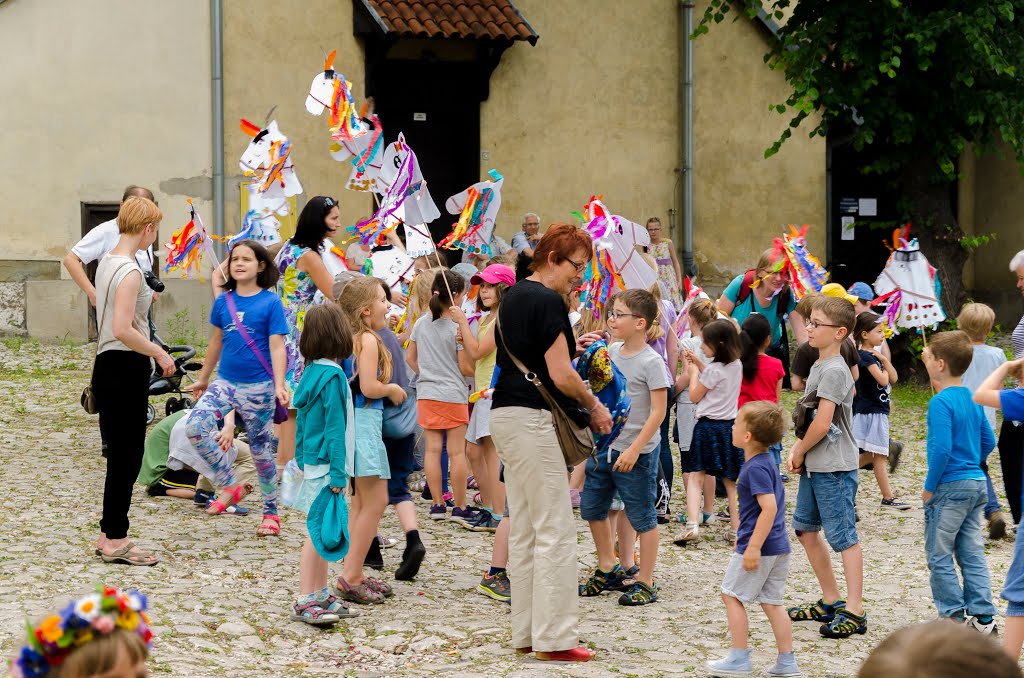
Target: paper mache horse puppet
910,284
352,138
477,207
616,263
404,196
268,159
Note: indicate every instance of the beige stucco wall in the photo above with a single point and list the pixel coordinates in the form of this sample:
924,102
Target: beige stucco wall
272,51
593,108
743,200
97,96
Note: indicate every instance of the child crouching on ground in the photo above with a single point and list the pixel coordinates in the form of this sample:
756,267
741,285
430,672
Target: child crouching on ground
959,440
629,467
757,570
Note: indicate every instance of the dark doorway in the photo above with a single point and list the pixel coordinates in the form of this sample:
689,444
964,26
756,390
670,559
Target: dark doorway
431,92
858,252
94,214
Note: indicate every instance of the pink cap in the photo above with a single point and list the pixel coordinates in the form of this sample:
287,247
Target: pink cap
494,274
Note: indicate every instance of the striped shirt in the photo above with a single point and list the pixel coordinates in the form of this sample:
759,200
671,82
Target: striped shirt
1018,340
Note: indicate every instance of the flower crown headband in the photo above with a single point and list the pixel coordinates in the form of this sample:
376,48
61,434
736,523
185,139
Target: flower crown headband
58,635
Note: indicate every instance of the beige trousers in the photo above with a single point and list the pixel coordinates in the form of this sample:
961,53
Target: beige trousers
245,469
542,541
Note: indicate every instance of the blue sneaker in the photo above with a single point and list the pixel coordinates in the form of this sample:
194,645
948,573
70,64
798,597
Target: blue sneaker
736,664
202,498
785,666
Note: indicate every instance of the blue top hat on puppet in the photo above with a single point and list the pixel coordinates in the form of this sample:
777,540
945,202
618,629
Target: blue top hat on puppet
327,522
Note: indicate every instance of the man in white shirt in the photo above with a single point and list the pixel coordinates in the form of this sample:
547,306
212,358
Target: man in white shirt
98,242
525,240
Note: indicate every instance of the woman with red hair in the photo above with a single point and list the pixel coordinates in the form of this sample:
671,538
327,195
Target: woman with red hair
533,325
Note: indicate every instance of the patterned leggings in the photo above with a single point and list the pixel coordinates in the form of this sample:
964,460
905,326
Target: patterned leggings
254,403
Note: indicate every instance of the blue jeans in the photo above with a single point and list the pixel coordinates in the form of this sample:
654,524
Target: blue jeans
776,452
952,527
1013,590
824,501
636,488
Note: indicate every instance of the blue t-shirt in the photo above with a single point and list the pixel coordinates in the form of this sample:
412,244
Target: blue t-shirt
262,314
959,438
872,397
1012,403
750,305
759,475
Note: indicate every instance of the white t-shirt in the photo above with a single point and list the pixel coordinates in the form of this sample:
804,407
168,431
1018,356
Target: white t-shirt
723,382
101,240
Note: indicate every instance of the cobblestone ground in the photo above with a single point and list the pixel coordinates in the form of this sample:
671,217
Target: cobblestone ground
220,597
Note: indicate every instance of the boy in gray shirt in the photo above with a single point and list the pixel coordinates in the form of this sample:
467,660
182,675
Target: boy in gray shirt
827,459
629,468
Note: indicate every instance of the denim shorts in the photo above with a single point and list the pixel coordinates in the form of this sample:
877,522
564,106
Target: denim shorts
637,488
824,501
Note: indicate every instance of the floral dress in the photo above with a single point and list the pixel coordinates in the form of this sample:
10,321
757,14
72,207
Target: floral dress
296,289
667,274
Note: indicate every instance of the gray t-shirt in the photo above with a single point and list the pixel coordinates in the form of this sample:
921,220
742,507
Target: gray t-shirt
436,352
837,451
644,372
986,360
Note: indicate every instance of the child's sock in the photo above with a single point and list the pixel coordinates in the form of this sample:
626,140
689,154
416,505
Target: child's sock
316,595
411,537
495,571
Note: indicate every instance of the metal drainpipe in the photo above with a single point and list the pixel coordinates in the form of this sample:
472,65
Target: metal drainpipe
686,115
217,82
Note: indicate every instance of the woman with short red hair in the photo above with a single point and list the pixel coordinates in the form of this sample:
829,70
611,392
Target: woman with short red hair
533,325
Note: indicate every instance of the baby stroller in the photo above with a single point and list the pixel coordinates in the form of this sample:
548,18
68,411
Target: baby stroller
160,385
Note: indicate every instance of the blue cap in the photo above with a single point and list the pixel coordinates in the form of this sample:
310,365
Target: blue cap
327,523
862,291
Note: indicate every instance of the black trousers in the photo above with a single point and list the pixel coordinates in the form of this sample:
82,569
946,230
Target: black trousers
1011,461
121,383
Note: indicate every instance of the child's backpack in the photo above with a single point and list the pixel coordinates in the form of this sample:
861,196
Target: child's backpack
609,385
745,290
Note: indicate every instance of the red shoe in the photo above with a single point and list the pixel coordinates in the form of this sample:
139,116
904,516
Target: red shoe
579,654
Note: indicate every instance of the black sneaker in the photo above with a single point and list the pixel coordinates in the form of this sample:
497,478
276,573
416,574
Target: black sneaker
895,452
483,522
895,503
844,625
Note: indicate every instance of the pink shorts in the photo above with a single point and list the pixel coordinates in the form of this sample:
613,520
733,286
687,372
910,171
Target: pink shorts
435,415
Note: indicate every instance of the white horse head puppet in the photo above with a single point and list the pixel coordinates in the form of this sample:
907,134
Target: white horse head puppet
268,159
405,198
477,207
352,138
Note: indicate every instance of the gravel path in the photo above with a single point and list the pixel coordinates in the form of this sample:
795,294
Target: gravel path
220,597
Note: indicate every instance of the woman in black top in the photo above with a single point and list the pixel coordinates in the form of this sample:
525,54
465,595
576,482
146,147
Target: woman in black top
534,326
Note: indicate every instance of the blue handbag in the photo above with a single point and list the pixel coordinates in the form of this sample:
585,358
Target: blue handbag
400,420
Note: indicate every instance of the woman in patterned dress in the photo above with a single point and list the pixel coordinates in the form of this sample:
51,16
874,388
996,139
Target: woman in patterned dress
670,276
302,274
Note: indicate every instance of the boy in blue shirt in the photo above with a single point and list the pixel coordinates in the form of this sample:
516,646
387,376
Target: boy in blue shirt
1011,401
959,440
757,570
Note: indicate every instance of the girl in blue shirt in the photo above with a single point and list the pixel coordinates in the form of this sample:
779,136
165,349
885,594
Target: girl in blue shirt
245,380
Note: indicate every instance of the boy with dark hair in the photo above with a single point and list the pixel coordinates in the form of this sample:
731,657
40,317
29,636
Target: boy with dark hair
629,467
757,570
827,459
959,440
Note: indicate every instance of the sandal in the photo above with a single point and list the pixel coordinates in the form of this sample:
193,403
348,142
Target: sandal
270,527
129,554
314,614
234,495
639,594
471,483
819,611
689,534
379,586
338,607
362,594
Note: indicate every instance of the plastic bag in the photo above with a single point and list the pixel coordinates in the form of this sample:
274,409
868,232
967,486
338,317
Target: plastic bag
291,479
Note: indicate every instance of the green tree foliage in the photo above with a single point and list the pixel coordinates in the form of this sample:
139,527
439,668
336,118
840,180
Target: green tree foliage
916,82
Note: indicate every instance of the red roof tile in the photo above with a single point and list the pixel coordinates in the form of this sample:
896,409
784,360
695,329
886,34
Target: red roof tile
486,19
